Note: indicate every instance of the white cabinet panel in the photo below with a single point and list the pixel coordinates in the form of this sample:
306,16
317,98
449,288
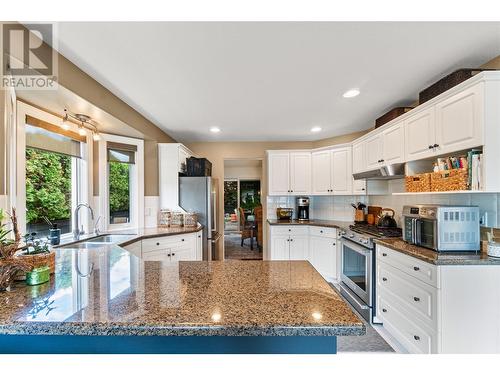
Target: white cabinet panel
279,173
459,120
323,256
321,166
300,173
341,171
299,247
359,187
279,247
373,151
393,144
358,157
420,135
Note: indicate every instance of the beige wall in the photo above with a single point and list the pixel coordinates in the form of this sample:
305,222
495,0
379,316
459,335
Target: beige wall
2,143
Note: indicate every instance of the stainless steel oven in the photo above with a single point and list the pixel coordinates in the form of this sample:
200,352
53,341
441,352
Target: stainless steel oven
357,276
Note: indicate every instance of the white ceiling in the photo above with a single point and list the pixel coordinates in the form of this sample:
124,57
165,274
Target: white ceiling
271,81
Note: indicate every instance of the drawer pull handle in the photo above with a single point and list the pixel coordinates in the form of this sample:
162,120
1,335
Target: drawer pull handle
416,337
384,310
384,278
416,268
416,299
384,254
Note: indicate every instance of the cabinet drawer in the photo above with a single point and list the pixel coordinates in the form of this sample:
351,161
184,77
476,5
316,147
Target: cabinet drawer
425,272
419,298
323,232
290,229
161,243
408,331
156,255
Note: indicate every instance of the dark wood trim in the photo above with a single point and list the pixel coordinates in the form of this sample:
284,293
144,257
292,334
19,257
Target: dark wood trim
30,120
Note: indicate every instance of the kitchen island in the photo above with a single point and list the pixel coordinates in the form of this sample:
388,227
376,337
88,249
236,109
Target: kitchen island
107,300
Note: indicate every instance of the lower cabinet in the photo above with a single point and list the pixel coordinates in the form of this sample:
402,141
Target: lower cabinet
171,248
438,309
315,244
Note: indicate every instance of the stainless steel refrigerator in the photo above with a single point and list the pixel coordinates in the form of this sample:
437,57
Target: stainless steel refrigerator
201,195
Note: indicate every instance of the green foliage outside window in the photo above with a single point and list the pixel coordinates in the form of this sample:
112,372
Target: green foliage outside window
48,186
119,187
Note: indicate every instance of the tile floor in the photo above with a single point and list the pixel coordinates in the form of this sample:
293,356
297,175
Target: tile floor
234,250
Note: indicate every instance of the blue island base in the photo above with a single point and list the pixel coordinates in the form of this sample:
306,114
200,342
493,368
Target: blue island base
72,344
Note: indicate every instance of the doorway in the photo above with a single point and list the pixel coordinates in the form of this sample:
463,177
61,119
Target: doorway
243,223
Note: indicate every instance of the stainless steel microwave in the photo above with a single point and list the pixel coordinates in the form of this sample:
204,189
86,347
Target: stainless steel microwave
442,228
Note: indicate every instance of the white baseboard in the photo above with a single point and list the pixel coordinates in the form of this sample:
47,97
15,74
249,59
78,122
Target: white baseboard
151,209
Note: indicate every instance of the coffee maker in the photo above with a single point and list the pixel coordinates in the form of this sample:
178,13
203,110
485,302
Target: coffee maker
302,208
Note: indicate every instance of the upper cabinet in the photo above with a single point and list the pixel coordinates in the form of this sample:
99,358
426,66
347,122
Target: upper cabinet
373,151
420,135
358,157
289,173
332,171
459,120
393,144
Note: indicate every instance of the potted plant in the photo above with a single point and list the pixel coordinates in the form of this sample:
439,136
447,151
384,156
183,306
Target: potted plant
10,265
37,254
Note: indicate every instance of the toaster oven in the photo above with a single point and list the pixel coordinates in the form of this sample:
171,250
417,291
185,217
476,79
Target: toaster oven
442,228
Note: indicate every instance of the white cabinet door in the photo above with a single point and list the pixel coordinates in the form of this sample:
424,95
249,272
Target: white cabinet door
199,245
182,253
341,171
459,120
359,187
299,248
279,173
420,135
280,247
323,256
358,157
321,169
300,173
373,152
393,144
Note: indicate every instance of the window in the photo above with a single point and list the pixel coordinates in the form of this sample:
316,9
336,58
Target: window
51,165
121,182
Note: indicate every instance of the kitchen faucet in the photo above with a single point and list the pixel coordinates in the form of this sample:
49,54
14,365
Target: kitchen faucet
77,232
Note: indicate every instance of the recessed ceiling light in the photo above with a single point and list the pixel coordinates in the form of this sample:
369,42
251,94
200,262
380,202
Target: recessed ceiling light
214,129
351,93
316,129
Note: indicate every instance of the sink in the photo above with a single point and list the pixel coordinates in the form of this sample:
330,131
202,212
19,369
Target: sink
99,241
110,238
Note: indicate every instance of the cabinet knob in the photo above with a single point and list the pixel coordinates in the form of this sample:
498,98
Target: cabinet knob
384,278
168,255
157,244
384,310
416,337
334,244
289,230
173,254
435,145
416,299
182,239
320,231
291,239
431,147
416,268
384,254
363,189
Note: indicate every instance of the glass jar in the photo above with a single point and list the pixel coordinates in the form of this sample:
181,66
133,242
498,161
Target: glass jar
177,219
494,247
190,219
165,218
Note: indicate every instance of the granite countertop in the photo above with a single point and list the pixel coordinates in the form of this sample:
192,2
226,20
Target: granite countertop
439,259
317,223
106,290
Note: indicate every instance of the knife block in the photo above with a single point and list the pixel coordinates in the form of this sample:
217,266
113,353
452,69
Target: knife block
359,216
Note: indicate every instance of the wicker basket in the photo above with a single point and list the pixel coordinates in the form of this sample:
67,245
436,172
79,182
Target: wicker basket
177,219
418,183
453,179
164,218
190,219
36,261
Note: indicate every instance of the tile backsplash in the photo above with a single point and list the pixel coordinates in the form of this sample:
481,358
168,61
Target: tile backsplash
339,207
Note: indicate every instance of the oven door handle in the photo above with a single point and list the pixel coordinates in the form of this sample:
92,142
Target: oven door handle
418,231
355,247
414,231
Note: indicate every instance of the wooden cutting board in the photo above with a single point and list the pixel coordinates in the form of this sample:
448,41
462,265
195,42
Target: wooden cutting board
375,210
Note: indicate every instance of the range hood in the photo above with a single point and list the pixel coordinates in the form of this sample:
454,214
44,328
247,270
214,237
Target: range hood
387,172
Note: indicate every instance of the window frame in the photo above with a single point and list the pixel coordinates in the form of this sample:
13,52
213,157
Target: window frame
136,183
81,171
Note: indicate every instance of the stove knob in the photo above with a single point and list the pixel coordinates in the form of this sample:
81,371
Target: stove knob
351,236
360,240
365,242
